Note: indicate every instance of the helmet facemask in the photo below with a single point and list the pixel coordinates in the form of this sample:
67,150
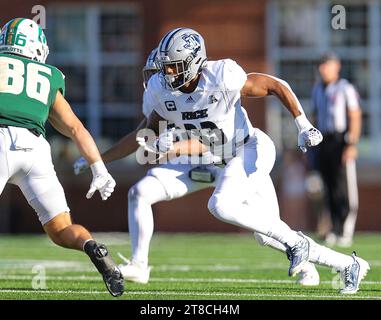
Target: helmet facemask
180,73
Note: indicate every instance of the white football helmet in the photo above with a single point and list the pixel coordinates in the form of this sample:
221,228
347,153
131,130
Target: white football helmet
150,67
182,50
24,37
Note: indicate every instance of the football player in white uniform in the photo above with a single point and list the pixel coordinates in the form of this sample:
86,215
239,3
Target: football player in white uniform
134,271
307,276
203,97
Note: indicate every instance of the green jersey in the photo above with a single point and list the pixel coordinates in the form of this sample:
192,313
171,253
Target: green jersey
27,91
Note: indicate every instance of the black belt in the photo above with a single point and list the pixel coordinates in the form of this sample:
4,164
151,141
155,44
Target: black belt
237,145
34,131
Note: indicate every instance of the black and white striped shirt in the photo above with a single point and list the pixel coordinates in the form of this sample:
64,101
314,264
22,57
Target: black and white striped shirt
331,103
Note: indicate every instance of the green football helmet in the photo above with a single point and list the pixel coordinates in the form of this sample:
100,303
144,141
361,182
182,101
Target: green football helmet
24,37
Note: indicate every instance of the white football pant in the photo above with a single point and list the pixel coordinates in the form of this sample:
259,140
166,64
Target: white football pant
244,196
172,181
25,160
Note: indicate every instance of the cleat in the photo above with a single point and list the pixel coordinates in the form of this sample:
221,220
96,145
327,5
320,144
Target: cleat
353,274
133,271
112,276
298,255
308,275
114,282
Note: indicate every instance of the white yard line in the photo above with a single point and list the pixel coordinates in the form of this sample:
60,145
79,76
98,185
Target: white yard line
172,279
49,264
70,265
86,266
194,293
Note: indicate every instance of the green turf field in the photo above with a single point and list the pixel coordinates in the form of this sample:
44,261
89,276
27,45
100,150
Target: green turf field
185,266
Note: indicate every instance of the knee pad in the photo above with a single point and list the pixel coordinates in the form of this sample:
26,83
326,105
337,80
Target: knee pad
149,189
212,205
220,208
138,192
134,192
172,180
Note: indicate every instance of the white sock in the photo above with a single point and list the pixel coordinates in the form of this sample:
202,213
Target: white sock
141,197
327,257
270,242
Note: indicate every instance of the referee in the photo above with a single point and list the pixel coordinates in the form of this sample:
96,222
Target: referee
338,116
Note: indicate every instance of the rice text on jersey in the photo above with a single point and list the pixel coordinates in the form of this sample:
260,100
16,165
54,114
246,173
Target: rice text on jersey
199,114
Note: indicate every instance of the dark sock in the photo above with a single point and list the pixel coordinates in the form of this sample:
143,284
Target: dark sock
99,255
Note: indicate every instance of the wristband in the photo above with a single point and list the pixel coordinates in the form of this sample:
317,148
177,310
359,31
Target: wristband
302,122
98,168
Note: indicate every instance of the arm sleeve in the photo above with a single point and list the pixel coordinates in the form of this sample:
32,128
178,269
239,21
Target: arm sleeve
352,97
234,76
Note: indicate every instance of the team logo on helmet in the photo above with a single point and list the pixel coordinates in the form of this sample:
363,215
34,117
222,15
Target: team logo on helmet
24,37
192,42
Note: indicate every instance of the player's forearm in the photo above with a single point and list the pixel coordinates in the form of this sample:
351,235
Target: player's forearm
288,98
187,147
262,85
85,144
283,91
126,146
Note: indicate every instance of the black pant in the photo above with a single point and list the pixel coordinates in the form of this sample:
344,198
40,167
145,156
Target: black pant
329,155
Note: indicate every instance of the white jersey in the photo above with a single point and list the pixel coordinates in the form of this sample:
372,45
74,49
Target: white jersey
214,105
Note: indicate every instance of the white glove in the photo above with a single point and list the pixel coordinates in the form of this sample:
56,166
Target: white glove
102,181
308,135
80,165
142,142
164,142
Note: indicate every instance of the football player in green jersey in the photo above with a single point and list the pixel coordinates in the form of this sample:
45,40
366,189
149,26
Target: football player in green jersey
32,92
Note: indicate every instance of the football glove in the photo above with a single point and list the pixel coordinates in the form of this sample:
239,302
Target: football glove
80,165
160,145
102,181
164,143
308,135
